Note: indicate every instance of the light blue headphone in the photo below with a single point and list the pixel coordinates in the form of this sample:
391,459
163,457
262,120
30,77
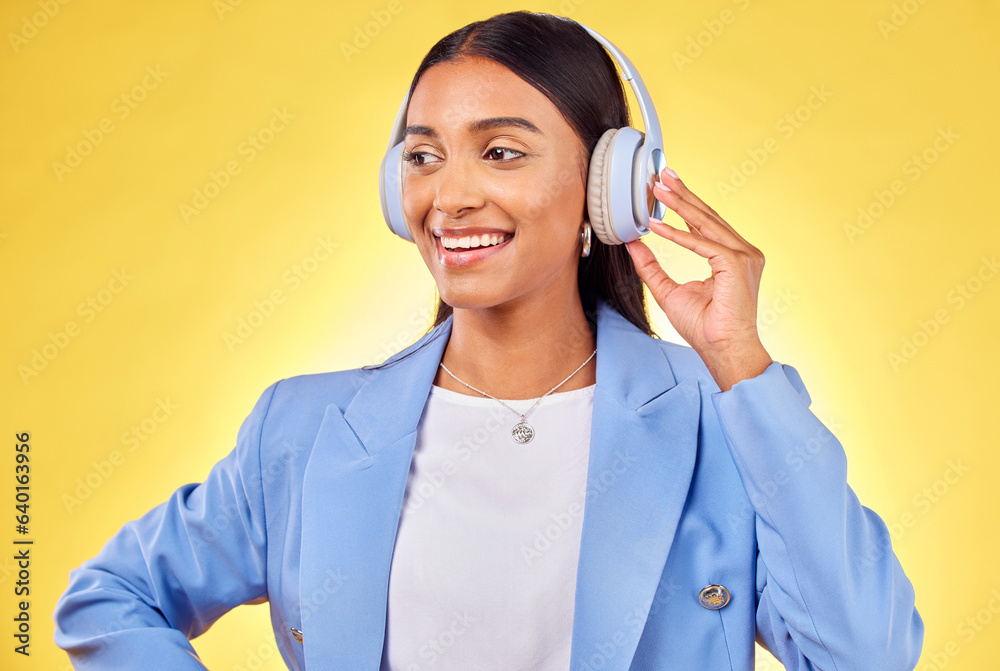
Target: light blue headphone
623,167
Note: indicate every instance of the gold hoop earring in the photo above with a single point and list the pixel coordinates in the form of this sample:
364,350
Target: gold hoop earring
585,240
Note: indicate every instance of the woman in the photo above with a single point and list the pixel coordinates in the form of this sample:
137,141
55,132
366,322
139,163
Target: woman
537,483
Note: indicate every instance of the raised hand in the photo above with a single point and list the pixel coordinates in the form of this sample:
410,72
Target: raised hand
717,316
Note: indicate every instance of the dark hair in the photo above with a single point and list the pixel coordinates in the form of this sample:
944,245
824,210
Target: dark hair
562,60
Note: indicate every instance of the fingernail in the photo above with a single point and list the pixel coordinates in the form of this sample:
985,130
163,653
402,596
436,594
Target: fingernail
659,221
662,186
671,173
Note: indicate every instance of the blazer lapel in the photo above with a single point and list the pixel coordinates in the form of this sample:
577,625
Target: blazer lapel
352,495
642,454
643,444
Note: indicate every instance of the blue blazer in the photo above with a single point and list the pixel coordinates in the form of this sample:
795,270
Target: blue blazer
687,487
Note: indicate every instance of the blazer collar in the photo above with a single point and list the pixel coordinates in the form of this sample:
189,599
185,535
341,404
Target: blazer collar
643,444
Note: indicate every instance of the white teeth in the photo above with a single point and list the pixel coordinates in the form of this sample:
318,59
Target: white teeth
468,242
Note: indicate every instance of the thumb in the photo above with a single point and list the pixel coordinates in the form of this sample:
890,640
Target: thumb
650,271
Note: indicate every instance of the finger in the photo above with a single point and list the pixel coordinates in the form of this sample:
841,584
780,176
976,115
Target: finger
704,222
698,244
670,181
670,197
691,227
649,269
733,263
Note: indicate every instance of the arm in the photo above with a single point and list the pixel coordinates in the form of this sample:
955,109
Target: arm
167,576
832,594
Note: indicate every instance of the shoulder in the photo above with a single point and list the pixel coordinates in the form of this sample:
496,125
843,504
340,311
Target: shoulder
303,400
287,417
319,389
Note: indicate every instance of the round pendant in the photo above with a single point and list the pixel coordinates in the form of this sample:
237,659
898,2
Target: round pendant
522,432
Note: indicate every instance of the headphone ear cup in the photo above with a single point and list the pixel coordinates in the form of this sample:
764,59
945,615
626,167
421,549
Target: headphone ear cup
391,192
598,189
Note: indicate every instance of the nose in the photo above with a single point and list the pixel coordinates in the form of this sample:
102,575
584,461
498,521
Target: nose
458,190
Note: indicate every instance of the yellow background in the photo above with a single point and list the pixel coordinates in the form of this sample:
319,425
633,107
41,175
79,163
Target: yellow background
894,76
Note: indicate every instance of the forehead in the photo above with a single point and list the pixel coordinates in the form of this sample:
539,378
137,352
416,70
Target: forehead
450,95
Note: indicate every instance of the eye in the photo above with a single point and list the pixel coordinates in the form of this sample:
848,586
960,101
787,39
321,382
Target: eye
502,154
418,158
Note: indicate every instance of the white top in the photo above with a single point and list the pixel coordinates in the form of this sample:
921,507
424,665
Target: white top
484,570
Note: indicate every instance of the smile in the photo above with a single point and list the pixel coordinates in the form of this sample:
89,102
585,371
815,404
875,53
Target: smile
469,249
473,241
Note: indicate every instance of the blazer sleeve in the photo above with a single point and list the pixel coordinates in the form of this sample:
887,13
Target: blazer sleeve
166,577
831,592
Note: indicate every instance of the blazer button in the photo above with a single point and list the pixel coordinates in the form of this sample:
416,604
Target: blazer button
296,634
714,597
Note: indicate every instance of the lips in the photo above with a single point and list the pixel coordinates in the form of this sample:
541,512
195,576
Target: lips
465,257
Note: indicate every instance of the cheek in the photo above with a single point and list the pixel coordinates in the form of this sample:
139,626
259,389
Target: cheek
558,194
416,203
555,203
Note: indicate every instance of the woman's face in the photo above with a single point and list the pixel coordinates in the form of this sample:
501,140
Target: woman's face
492,159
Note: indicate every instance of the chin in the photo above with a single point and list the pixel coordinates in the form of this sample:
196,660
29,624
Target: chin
465,301
469,297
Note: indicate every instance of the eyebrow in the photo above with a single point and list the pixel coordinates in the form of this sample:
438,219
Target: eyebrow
479,126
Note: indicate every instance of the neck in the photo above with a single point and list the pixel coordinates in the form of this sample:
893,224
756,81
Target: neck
519,351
